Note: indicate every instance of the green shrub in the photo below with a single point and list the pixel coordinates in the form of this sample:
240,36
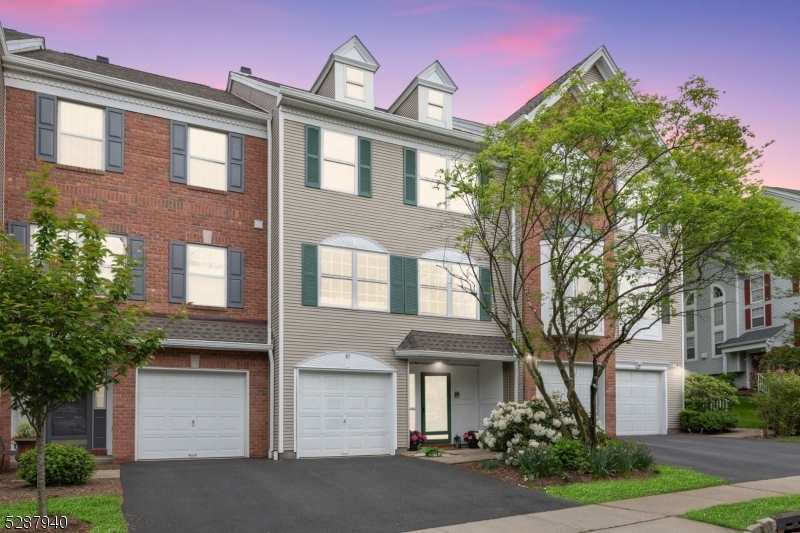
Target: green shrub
490,464
702,391
786,358
539,462
63,465
689,420
619,458
707,421
571,454
729,378
431,451
779,407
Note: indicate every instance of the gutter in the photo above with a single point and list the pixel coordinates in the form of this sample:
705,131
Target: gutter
217,345
403,354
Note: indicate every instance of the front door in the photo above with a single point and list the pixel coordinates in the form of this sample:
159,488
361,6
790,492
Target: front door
435,395
71,423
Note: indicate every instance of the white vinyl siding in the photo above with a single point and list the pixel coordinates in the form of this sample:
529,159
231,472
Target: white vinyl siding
339,161
80,139
205,281
208,152
444,290
341,269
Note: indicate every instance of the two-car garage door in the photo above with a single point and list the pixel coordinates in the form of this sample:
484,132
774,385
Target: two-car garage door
184,414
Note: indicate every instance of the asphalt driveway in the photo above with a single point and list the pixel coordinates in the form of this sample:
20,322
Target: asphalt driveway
737,460
371,494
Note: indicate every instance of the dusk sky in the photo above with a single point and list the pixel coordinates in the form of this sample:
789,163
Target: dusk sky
499,53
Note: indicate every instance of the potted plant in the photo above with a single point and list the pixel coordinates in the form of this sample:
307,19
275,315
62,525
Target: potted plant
471,438
24,437
417,439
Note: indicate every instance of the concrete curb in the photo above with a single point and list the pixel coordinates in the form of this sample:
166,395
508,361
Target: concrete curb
765,525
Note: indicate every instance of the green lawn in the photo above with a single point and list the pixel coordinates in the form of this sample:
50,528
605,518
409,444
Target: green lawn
796,439
669,479
746,409
102,511
740,515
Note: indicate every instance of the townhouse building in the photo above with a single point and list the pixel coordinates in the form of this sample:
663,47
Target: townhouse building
732,323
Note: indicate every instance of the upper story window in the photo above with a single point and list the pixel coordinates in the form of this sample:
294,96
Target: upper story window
355,279
718,317
447,289
80,139
757,289
339,161
758,317
435,104
691,326
354,83
117,245
206,275
207,159
432,190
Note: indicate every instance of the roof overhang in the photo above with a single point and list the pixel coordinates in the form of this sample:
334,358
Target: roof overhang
216,345
428,354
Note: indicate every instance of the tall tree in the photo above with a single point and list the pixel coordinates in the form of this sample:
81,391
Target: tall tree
597,215
65,330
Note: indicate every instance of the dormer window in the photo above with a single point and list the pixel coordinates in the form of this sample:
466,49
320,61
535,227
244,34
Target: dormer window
435,104
354,87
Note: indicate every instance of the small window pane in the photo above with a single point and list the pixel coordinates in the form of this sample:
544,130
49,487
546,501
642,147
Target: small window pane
690,351
339,177
339,146
337,262
207,144
337,292
372,266
100,398
116,244
717,292
355,75
433,301
432,274
757,319
206,291
207,260
355,91
719,317
436,97
81,152
430,165
757,289
431,194
464,278
435,112
81,120
372,295
690,321
459,204
719,336
464,305
207,174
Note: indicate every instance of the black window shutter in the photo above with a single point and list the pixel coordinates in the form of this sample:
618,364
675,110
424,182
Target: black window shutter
177,272
136,250
235,162
409,176
313,146
115,140
665,308
46,116
19,230
309,275
485,282
410,281
397,297
235,278
364,167
179,151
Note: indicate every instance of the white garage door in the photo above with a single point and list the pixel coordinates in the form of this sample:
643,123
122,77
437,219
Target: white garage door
583,384
640,402
344,414
191,414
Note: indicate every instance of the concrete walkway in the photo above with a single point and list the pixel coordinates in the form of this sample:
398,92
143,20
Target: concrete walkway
651,514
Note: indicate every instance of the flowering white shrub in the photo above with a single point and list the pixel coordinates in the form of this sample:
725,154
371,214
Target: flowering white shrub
514,427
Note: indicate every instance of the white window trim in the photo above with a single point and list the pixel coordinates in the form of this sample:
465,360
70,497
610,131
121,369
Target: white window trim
102,138
763,309
715,328
693,308
224,276
354,164
354,279
189,156
763,289
450,289
349,82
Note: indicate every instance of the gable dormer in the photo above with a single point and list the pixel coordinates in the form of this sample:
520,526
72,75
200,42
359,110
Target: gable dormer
428,98
348,75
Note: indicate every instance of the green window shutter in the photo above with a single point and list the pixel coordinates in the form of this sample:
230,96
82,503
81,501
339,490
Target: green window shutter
397,288
410,282
309,273
485,281
483,179
312,157
409,176
364,167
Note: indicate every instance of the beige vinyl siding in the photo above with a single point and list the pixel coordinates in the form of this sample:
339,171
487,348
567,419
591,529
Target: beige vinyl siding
593,75
312,215
328,87
410,106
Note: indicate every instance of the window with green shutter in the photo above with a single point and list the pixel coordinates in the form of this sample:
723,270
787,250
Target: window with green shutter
485,280
312,157
364,167
397,286
409,176
309,266
410,282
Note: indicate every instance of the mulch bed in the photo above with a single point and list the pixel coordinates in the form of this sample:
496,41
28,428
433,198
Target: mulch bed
512,475
13,490
74,525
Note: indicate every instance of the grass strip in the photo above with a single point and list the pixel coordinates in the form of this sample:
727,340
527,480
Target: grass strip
740,515
668,479
104,512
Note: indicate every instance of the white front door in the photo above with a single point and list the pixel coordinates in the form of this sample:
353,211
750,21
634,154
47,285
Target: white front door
640,402
186,414
344,414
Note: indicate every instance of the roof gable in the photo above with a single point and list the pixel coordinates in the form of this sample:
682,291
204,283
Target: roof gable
437,77
355,51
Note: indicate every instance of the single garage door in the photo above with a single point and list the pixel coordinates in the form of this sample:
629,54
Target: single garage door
344,414
640,402
191,414
583,384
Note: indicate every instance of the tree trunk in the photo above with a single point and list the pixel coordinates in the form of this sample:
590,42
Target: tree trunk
41,490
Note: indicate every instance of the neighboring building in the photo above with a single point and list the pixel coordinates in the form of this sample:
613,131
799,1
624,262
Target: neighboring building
178,172
737,321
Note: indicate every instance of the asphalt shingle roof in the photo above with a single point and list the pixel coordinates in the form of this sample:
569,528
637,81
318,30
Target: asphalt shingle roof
14,35
137,76
754,335
784,189
211,330
430,341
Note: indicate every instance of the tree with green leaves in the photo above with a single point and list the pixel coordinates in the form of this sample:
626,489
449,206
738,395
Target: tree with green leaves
65,329
599,212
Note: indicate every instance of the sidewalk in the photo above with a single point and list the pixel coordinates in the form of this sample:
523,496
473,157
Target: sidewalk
651,514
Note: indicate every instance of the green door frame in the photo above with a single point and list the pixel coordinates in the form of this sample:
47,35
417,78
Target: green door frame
422,402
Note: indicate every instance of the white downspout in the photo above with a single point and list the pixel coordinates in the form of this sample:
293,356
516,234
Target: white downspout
269,293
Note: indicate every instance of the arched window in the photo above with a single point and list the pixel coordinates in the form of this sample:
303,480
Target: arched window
354,273
448,284
717,318
691,326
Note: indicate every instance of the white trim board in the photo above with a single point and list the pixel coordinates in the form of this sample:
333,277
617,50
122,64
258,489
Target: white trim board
429,354
216,345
